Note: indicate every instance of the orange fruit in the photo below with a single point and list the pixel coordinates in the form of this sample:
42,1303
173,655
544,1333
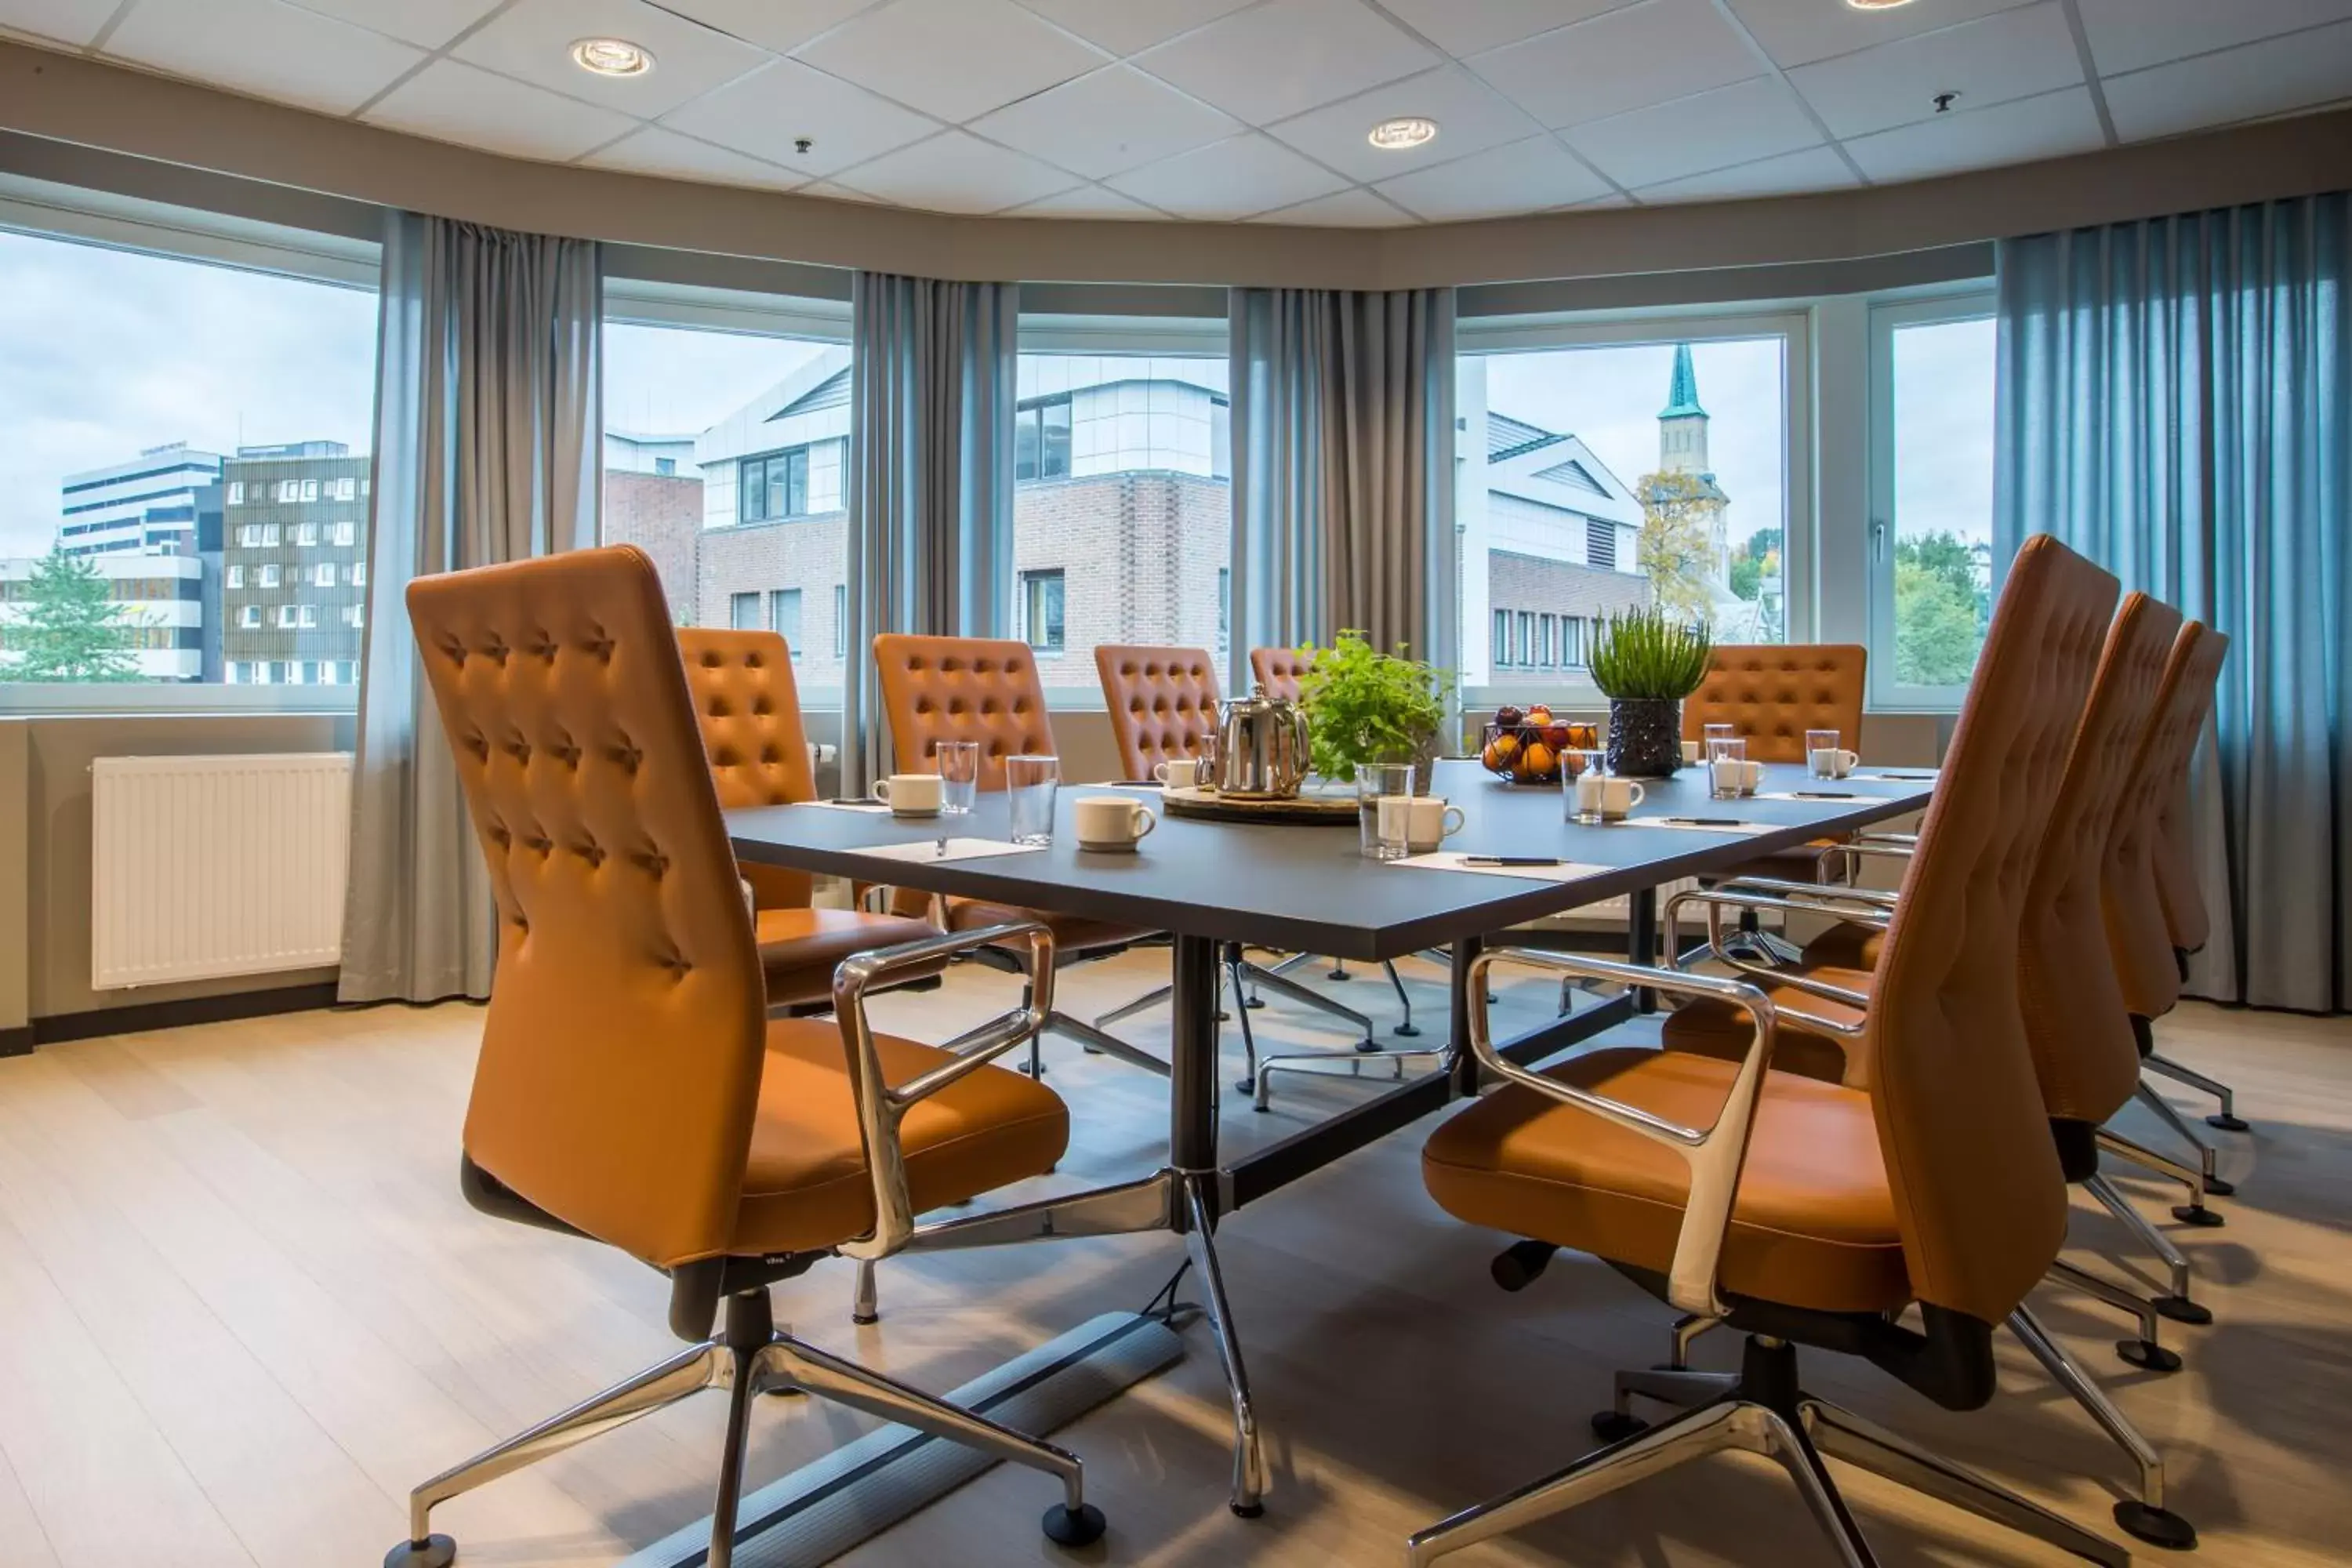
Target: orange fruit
1537,761
1501,753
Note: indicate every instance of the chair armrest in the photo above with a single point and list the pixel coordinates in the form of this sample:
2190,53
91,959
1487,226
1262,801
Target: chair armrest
1826,902
1714,1155
1814,893
882,1105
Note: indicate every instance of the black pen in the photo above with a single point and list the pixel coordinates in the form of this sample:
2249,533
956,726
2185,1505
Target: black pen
1704,821
1512,860
1825,795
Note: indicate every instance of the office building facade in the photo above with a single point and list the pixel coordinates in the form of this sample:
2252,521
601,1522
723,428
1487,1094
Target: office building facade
145,505
294,564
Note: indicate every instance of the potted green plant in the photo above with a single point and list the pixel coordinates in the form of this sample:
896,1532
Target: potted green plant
1366,706
1645,662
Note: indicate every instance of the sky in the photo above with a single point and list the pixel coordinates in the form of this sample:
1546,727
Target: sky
1942,429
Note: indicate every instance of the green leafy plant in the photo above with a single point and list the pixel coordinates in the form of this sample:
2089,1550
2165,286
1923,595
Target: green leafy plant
1650,653
1366,706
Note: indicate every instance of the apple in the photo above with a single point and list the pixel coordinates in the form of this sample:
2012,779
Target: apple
1509,718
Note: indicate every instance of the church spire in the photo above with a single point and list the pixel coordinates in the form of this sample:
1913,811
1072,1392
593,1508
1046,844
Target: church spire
1682,395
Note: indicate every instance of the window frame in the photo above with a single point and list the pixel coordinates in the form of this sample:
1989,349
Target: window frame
1038,577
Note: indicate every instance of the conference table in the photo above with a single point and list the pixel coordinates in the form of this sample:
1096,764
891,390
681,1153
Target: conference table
1309,889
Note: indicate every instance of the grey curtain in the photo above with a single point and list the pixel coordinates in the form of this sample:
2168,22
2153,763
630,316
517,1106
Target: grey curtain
488,415
2175,401
931,478
1343,469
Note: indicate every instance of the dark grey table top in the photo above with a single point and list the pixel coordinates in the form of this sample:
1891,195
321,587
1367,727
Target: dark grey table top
1307,888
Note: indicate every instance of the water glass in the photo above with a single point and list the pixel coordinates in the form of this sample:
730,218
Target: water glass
1583,798
1029,787
1823,756
1726,766
959,762
1384,809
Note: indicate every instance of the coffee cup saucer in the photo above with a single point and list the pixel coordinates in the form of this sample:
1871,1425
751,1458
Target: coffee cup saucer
914,815
1128,847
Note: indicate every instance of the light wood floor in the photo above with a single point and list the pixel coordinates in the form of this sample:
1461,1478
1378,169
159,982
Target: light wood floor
243,1310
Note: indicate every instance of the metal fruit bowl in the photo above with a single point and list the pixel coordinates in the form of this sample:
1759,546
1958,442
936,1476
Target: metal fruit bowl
1535,753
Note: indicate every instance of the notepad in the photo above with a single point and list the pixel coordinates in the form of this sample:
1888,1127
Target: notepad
864,806
1454,860
1707,826
938,851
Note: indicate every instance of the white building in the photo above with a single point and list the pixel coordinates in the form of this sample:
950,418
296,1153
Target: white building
146,506
630,452
785,454
1083,415
160,596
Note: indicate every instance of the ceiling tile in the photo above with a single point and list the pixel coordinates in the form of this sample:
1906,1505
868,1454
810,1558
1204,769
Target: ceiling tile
1470,115
74,22
654,150
455,102
1464,29
1132,25
1086,201
265,49
950,58
1735,124
2275,76
2052,126
1797,32
2012,55
2127,35
765,112
1355,208
957,172
778,25
1229,179
531,41
1814,169
1625,59
827,190
426,22
1527,176
1287,56
1106,122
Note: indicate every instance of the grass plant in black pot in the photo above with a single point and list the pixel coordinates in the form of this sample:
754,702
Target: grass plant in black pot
1645,662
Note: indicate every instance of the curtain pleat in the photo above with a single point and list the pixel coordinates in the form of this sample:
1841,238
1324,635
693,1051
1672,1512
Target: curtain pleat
2173,402
930,480
1343,460
489,420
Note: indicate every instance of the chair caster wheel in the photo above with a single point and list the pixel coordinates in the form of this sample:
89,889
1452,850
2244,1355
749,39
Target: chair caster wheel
2219,1188
1339,973
2147,1355
1519,1265
1406,1032
1615,1426
1255,1003
862,1319
1247,1509
1083,1527
2228,1123
2181,1309
1367,1046
433,1551
2198,1215
2157,1525
1245,1085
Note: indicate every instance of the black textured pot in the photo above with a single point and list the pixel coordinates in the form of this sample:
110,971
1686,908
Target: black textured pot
1646,736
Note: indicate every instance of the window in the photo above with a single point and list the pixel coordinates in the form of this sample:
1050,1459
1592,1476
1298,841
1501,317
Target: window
248,619
1601,468
289,489
357,575
776,486
309,616
322,575
236,576
346,534
666,466
743,612
270,573
269,533
784,616
1042,625
286,619
311,492
354,615
840,619
1931,467
237,494
307,533
346,489
1120,503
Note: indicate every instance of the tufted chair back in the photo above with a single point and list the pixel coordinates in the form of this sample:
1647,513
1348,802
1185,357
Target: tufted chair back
962,689
1979,1194
750,709
1279,670
2137,934
2176,873
622,1051
1774,692
1162,703
2075,1020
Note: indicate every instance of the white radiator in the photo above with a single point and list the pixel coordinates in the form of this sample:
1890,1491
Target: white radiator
211,866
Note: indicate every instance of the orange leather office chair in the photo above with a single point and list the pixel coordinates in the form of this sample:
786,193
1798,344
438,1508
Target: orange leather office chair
2187,923
1279,670
987,691
749,708
1815,1214
631,1089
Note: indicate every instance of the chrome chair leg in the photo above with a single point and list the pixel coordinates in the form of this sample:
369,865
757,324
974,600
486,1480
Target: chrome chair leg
1283,985
2194,1211
1248,1498
1842,1434
1678,1386
866,1309
1130,1208
2167,1113
743,1383
1142,1003
1337,1064
1095,1040
2145,1518
1787,1441
2176,1305
2227,1120
1236,968
2146,1352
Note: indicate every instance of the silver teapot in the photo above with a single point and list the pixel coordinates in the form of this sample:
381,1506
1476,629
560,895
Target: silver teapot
1262,751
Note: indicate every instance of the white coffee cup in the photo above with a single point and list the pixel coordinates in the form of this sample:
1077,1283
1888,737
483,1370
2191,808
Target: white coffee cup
1611,799
1111,822
910,795
1429,822
1183,773
1733,774
1691,753
1830,763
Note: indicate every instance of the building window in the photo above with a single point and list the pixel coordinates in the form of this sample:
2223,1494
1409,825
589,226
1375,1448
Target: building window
1544,642
236,492
1528,637
1224,608
1931,461
345,490
269,533
307,533
743,612
286,619
1042,625
270,573
1502,649
309,616
784,616
249,617
236,576
1571,639
311,492
358,574
248,534
322,575
346,534
841,620
1041,440
776,486
666,466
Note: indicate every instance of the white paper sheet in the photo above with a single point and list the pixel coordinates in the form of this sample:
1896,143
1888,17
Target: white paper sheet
1711,826
871,806
1454,860
938,851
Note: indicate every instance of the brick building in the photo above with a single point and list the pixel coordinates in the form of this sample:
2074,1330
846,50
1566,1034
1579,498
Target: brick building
294,564
661,515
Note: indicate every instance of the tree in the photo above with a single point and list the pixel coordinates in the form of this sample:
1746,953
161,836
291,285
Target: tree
1764,542
1940,612
1676,545
71,628
1746,577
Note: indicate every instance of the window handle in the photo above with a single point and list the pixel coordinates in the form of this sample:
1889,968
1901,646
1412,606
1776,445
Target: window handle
1877,541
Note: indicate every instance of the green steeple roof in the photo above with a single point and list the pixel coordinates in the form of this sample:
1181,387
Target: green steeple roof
1682,397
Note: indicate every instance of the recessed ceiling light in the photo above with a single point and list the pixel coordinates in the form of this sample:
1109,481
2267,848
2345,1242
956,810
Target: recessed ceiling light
611,57
1406,131
1877,4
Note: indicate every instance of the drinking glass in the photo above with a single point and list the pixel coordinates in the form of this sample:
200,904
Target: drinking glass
1726,766
1384,809
959,762
1584,798
1029,786
1709,734
1822,757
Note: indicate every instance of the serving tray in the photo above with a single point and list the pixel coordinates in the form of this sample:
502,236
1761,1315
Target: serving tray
1313,809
